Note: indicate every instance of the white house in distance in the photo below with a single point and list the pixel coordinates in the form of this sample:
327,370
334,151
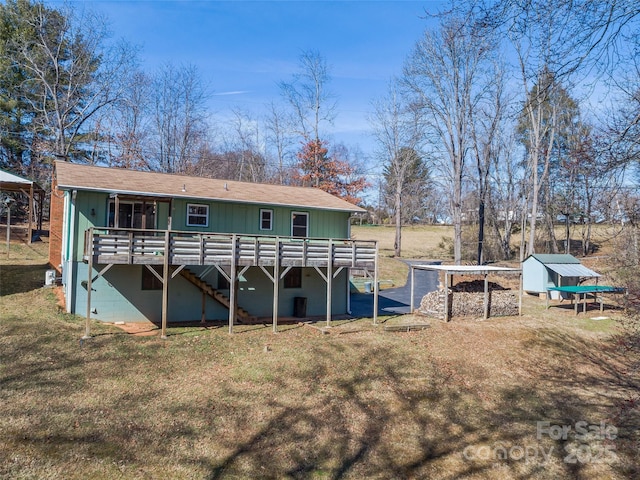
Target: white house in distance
541,271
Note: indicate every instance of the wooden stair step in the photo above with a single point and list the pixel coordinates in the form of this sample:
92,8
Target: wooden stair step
215,294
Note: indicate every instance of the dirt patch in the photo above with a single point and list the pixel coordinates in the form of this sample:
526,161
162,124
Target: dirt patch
140,329
58,291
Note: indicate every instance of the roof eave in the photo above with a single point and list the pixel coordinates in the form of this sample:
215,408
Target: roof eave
355,208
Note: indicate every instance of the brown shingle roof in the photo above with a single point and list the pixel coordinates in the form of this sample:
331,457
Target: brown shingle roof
132,182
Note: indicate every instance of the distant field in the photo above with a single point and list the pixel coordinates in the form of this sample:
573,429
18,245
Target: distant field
433,242
421,241
418,242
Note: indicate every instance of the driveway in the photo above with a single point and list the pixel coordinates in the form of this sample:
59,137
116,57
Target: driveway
395,301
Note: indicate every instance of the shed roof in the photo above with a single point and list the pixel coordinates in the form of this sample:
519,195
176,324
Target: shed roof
571,270
153,184
467,269
555,258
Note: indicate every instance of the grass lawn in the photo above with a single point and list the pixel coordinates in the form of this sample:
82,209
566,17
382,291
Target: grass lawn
356,403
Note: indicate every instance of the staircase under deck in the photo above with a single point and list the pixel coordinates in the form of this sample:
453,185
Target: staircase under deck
218,296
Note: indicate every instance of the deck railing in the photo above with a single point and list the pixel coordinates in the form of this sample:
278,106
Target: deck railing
133,247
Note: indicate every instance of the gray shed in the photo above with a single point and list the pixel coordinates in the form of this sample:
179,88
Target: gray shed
541,271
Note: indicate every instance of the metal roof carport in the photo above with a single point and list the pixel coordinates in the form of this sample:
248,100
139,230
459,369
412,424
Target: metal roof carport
451,270
13,183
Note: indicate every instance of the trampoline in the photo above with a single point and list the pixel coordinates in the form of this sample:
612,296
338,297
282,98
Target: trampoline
584,292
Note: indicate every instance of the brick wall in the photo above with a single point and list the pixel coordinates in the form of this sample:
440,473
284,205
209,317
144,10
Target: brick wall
56,216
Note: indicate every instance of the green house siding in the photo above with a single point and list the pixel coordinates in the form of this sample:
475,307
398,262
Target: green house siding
239,218
92,211
118,296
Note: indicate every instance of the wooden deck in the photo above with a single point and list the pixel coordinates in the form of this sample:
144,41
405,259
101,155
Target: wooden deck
137,247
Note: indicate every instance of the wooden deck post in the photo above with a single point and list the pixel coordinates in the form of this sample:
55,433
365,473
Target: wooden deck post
233,284
375,287
486,296
520,295
276,285
203,319
329,280
30,232
446,296
411,286
165,283
8,228
87,323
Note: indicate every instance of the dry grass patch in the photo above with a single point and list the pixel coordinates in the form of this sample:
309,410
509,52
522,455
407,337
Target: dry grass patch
418,242
300,404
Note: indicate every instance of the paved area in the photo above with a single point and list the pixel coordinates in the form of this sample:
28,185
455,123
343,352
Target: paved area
397,301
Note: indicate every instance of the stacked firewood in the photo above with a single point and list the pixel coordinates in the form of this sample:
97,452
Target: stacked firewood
466,301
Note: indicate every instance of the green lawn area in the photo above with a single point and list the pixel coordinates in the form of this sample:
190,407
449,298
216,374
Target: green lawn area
358,402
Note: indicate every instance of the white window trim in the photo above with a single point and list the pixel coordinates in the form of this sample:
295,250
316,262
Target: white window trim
306,233
262,210
206,224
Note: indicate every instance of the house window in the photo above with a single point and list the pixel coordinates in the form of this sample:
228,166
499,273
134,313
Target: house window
266,219
293,278
132,214
149,280
197,215
299,224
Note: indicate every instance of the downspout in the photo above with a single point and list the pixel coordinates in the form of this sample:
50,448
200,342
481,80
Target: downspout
71,232
65,231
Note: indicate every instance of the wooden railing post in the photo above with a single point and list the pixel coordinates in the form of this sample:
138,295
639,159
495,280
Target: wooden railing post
130,249
329,280
201,249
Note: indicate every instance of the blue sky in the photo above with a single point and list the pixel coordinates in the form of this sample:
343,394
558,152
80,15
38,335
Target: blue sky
242,49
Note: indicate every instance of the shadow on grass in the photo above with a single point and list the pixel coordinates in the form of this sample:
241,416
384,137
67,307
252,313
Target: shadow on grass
315,406
384,420
21,278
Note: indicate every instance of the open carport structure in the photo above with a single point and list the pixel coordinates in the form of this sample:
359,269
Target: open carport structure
34,193
451,270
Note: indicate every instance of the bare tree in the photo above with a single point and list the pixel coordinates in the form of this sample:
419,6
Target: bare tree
557,43
442,75
486,128
279,137
507,185
246,143
395,131
179,117
308,95
129,124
